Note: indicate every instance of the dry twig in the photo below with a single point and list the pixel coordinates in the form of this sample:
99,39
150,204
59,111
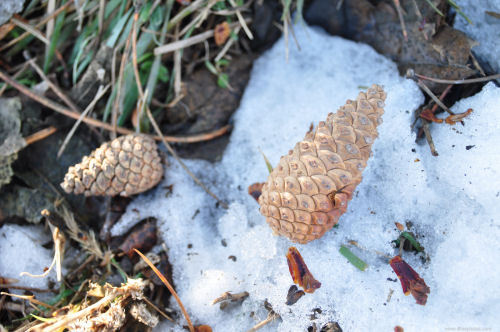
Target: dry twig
96,123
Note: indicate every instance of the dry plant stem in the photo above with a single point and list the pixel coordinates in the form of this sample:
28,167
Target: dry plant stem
117,104
174,154
177,45
228,45
417,10
15,76
292,30
100,92
464,81
60,324
401,19
40,135
96,123
158,310
428,136
30,298
177,67
476,64
170,288
30,289
41,23
433,96
271,317
31,30
54,87
242,20
49,29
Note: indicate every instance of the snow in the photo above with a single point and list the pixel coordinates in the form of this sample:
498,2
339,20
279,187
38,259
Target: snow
485,29
21,251
452,201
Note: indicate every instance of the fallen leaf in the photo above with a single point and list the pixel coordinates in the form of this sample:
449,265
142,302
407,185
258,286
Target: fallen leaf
454,118
294,294
255,190
202,328
399,226
427,114
299,271
411,282
221,33
142,237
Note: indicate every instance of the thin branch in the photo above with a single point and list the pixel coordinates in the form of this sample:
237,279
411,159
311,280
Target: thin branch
54,87
463,81
31,30
401,19
271,317
433,96
227,46
117,102
428,136
100,92
41,23
96,123
242,20
40,135
170,288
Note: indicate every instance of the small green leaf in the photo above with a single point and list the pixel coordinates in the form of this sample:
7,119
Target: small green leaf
163,74
222,63
223,80
353,259
211,67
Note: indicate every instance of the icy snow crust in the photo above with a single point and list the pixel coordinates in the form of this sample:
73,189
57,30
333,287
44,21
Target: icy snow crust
452,201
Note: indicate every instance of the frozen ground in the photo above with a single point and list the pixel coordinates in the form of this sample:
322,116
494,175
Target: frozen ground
451,200
485,29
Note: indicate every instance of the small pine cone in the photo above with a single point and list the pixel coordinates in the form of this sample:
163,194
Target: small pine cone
307,192
125,166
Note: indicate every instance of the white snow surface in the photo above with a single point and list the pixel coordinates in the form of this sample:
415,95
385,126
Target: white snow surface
452,201
485,29
21,251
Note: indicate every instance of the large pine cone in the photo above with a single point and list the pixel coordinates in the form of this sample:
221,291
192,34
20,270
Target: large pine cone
125,166
307,192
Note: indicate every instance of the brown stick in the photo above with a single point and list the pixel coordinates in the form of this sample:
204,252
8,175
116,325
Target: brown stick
42,22
96,123
472,80
39,135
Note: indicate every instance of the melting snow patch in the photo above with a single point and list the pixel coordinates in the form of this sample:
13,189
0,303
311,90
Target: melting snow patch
454,218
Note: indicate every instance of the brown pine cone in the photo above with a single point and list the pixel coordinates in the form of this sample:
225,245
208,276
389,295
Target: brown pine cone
125,166
307,192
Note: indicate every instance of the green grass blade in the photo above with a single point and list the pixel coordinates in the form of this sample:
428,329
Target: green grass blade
434,7
54,41
412,240
353,259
